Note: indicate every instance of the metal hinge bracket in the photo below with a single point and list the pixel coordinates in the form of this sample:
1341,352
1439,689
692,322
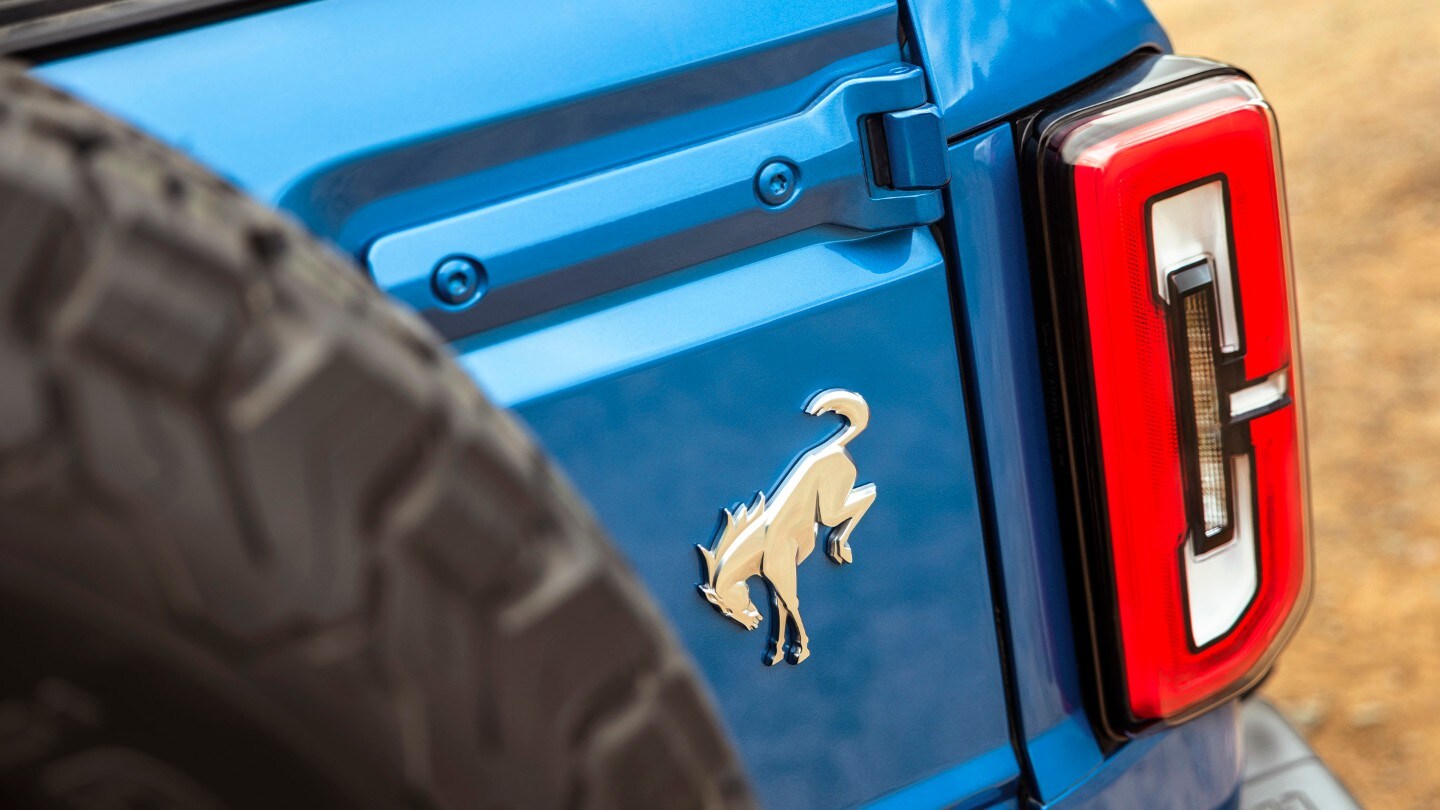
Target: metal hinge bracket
907,149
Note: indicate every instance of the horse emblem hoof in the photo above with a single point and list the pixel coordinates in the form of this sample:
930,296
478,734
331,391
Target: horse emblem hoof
772,536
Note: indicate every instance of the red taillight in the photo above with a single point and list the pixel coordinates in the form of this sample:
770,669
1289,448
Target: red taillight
1169,262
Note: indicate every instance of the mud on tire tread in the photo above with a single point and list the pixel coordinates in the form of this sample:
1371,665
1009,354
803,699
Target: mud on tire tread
215,433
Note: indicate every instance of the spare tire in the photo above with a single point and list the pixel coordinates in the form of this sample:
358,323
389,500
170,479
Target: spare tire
262,543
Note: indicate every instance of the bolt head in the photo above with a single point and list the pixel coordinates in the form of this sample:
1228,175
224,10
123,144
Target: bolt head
458,280
777,182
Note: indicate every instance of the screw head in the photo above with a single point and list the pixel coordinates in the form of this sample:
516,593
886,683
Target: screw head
458,280
777,182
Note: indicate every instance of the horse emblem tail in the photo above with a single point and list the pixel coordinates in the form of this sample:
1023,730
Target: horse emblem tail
848,404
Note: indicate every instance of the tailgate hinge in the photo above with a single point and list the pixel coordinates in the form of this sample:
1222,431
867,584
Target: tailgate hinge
617,227
907,149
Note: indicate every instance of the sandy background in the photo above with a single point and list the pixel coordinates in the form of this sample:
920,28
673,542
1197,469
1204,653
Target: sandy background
1356,86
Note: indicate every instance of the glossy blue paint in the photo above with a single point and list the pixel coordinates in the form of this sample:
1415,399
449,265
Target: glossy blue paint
364,116
613,224
999,331
673,399
995,767
1197,765
987,58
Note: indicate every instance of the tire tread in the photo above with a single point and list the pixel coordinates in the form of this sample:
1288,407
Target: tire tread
320,498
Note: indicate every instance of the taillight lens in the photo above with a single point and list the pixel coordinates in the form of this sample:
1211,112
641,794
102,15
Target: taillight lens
1169,265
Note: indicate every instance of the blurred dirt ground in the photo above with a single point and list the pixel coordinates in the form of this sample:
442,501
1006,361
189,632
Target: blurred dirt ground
1356,85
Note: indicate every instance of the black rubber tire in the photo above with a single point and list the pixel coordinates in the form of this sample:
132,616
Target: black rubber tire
262,543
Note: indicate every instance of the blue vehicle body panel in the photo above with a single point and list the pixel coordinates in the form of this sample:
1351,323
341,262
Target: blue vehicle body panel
381,125
366,116
640,221
903,683
987,58
994,280
1198,764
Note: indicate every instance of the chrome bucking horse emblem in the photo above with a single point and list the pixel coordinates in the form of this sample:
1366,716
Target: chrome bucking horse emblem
772,536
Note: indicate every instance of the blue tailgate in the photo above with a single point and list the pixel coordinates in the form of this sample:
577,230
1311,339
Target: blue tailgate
660,326
690,398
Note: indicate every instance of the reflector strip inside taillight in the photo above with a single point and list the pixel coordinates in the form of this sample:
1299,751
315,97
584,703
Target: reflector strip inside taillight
1170,287
1195,288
